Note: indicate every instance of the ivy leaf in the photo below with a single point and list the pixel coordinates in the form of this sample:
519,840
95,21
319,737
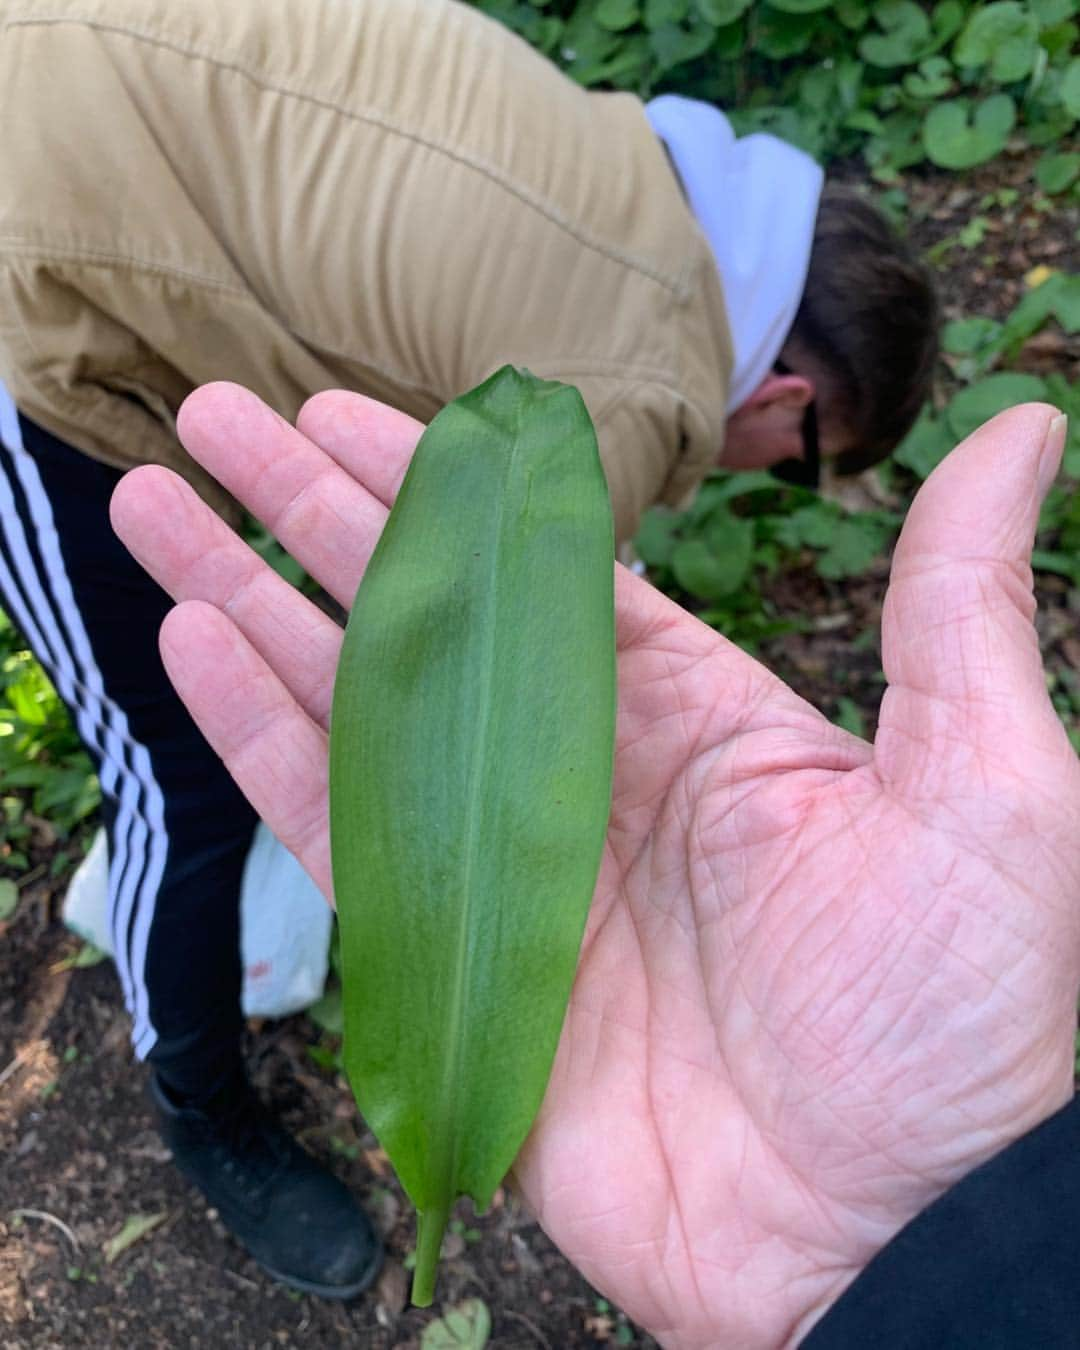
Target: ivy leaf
673,45
925,445
657,536
1067,302
716,564
465,1327
986,398
853,546
1005,36
898,144
1070,88
661,12
615,15
968,337
1055,173
932,80
946,20
957,137
722,12
853,14
782,35
1052,12
800,6
906,32
1057,295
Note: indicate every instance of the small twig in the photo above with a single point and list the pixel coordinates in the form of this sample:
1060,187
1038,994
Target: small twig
46,1217
15,1065
38,871
241,1281
529,1326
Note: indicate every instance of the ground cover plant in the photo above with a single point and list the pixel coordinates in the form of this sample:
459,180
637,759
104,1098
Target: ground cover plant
960,119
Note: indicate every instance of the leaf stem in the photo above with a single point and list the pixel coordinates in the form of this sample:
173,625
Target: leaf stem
430,1226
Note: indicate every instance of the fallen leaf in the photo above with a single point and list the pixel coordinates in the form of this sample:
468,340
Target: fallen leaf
9,898
1037,276
466,1327
136,1226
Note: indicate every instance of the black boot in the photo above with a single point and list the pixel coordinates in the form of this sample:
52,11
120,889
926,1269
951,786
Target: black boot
297,1221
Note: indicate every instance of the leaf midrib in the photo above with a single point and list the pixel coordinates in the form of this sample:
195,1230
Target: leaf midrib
459,996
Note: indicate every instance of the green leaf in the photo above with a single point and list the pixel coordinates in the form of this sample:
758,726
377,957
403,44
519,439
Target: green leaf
1056,172
849,716
1066,300
946,20
656,537
976,404
905,35
800,6
1070,88
661,12
898,145
471,744
722,12
1049,13
136,1226
672,44
957,137
925,445
328,1013
717,563
933,79
782,35
466,1327
853,545
9,898
853,14
967,337
617,14
1003,35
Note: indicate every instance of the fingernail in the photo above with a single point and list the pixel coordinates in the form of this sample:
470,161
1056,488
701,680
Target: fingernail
1053,448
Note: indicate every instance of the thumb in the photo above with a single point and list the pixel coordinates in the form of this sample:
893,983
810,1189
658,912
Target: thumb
959,647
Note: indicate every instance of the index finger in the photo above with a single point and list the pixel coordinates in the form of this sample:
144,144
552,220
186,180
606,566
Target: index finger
327,516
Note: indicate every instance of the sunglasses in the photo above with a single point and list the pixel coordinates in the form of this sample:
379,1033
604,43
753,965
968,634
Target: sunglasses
805,471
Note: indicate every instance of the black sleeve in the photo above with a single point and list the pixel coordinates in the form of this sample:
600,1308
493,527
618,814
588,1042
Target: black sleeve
994,1264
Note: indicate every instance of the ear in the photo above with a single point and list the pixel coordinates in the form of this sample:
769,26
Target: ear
785,391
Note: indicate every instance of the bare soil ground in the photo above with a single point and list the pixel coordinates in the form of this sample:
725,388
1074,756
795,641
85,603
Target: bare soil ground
78,1152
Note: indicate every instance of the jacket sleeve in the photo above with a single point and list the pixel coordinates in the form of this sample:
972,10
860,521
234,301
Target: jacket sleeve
991,1265
641,429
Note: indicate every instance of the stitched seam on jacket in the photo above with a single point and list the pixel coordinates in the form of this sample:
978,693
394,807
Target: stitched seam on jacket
91,259
676,283
16,245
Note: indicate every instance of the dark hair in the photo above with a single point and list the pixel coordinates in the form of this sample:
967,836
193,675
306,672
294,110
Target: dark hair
869,315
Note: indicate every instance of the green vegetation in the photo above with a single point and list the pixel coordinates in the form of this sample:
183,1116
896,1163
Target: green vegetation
894,80
890,84
44,771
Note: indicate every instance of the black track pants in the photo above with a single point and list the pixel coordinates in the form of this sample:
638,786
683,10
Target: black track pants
178,827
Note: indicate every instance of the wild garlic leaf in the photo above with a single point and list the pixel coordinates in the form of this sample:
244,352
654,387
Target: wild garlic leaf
471,750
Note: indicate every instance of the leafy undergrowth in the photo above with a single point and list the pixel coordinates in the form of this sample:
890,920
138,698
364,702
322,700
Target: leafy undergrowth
956,116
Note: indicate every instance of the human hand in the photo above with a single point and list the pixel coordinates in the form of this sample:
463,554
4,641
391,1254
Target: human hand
822,980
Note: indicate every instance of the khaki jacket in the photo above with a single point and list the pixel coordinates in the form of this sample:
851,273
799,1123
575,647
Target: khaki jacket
391,196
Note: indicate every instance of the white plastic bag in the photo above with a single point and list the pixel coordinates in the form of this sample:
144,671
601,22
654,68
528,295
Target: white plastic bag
284,924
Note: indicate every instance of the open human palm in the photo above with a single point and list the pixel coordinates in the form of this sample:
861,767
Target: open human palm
822,979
